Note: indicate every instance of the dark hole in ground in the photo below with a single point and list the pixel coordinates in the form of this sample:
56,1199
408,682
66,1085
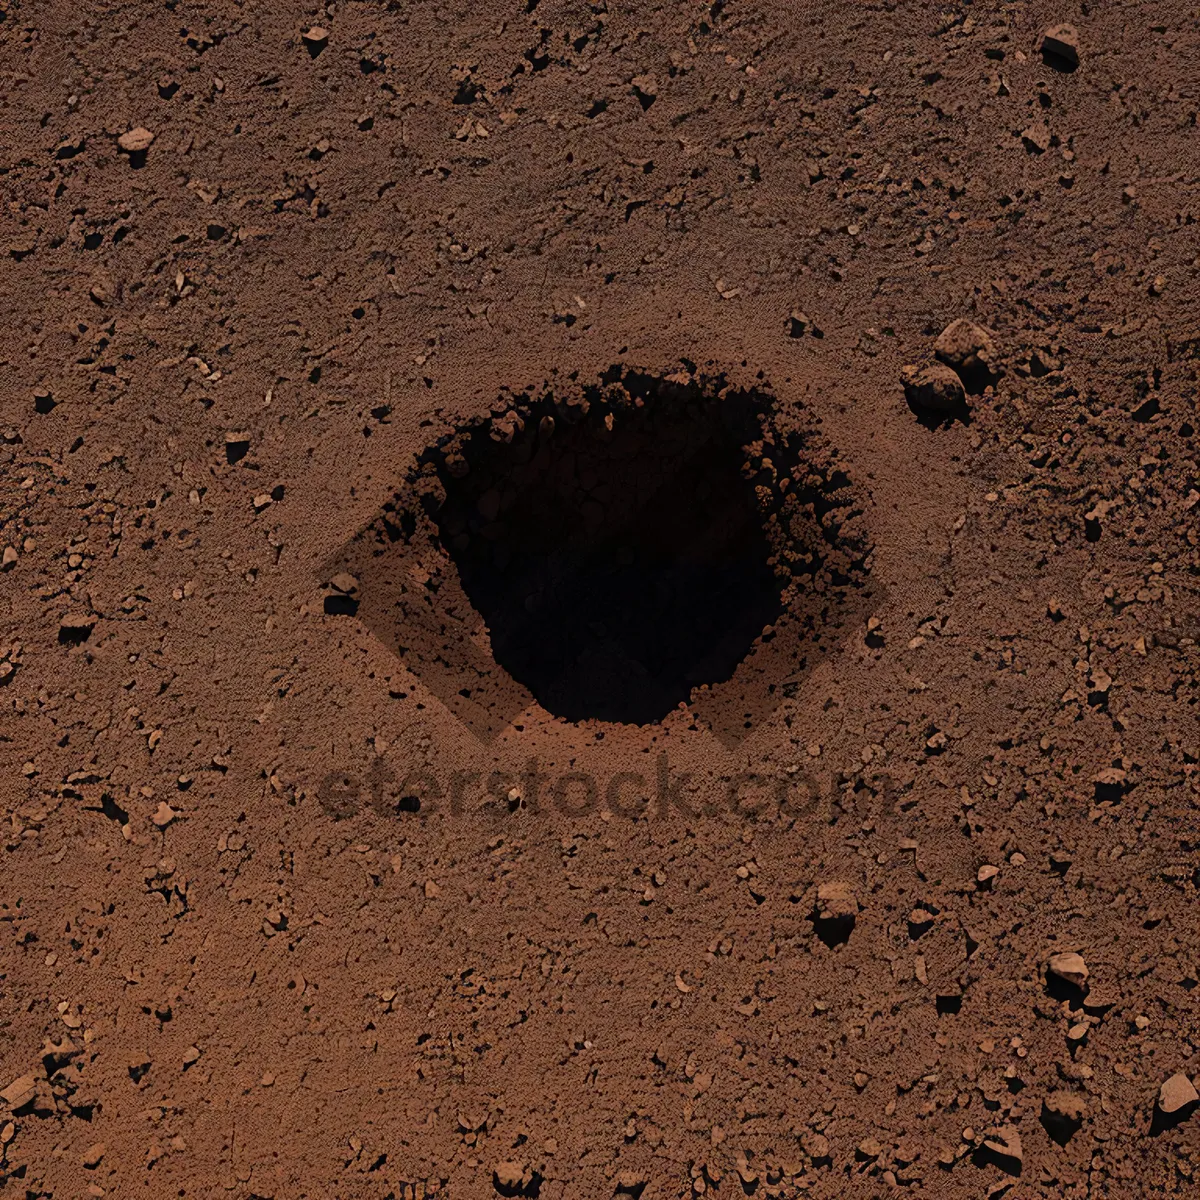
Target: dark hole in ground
977,378
528,1188
1058,988
616,569
1059,1127
111,809
75,631
627,545
1161,1122
833,931
340,606
1061,63
985,1156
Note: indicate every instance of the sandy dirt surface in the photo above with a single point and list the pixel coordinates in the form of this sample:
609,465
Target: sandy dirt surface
536,659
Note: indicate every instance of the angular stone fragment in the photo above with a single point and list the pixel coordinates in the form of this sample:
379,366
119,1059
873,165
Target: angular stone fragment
509,1174
836,899
1069,966
20,1091
1007,1142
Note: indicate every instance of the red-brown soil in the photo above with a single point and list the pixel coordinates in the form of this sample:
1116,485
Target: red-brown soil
362,365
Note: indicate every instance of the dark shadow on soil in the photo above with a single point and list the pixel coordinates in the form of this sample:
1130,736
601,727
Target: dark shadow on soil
939,418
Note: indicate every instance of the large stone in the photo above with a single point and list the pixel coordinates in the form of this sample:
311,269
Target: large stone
1005,1141
934,387
20,1091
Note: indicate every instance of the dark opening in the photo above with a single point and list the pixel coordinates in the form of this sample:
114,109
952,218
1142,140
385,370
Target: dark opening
340,606
1161,1122
834,930
986,1156
1059,1127
617,564
74,631
613,549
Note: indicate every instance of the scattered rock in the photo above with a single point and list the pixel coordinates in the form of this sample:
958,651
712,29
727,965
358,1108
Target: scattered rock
1036,137
815,1145
342,598
93,1155
834,916
800,324
75,628
509,1174
869,1149
920,921
1062,1115
1005,1144
237,446
934,387
1067,1104
164,815
836,899
315,39
645,87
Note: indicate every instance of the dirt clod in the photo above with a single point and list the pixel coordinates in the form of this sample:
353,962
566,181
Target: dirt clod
136,140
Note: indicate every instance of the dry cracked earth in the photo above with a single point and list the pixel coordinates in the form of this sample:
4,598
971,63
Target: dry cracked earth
599,599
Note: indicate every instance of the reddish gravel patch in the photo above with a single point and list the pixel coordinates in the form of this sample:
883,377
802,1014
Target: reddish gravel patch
599,600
